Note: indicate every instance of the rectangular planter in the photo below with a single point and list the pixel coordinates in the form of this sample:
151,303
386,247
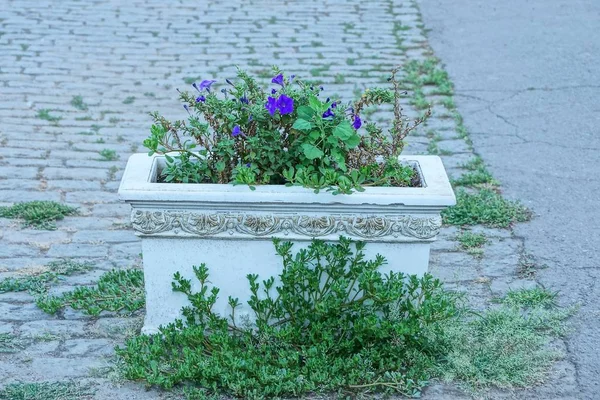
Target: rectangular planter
230,228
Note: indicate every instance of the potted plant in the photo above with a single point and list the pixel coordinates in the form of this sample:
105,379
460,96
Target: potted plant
251,165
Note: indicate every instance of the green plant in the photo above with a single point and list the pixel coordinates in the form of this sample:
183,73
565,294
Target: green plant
472,242
477,175
45,115
334,323
485,207
129,100
9,343
38,214
38,284
535,297
287,136
78,103
46,391
117,291
505,347
109,155
427,73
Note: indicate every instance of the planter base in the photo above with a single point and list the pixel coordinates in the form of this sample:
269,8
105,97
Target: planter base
229,262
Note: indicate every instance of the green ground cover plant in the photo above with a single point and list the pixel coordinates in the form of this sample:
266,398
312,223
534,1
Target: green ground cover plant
471,242
118,291
46,391
38,214
486,207
38,284
335,324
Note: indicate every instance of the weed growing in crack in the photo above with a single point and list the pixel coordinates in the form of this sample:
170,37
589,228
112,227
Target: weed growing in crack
78,103
121,292
9,343
472,243
38,214
38,284
108,155
536,297
485,207
46,116
478,175
46,391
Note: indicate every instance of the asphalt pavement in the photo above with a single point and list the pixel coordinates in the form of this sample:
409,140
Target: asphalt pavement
527,80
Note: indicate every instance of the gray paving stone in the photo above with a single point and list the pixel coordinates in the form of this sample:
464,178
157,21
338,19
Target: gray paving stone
52,327
77,250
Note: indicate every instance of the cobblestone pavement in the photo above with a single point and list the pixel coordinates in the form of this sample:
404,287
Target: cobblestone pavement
126,59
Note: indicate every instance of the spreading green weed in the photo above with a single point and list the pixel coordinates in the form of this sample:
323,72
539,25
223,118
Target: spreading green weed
117,291
108,155
427,73
335,323
46,116
472,243
505,347
536,297
78,103
39,284
129,100
478,175
46,391
485,207
9,343
38,214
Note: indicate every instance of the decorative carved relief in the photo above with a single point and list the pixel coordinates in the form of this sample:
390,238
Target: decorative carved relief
359,226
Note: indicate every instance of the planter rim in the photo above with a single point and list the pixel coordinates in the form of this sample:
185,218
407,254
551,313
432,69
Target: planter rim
138,186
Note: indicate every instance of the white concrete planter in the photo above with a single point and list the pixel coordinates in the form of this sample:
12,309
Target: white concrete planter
230,228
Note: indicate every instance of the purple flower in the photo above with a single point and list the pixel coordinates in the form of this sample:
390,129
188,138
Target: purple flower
195,86
248,165
206,84
244,99
278,80
229,82
236,131
357,122
327,100
273,91
333,105
292,77
250,118
328,113
321,87
271,105
200,99
186,108
285,104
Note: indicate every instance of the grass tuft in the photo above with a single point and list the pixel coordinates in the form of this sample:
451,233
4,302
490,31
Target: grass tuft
38,284
78,103
46,391
472,243
46,116
38,214
485,207
108,155
9,343
477,176
117,291
536,297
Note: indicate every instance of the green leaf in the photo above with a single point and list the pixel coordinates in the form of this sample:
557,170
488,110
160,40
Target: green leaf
314,135
315,104
311,151
353,141
305,112
344,131
220,166
302,125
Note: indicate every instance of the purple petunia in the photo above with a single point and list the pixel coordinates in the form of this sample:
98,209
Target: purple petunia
357,122
205,85
333,105
328,113
200,99
271,105
278,80
244,99
236,131
285,104
273,91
